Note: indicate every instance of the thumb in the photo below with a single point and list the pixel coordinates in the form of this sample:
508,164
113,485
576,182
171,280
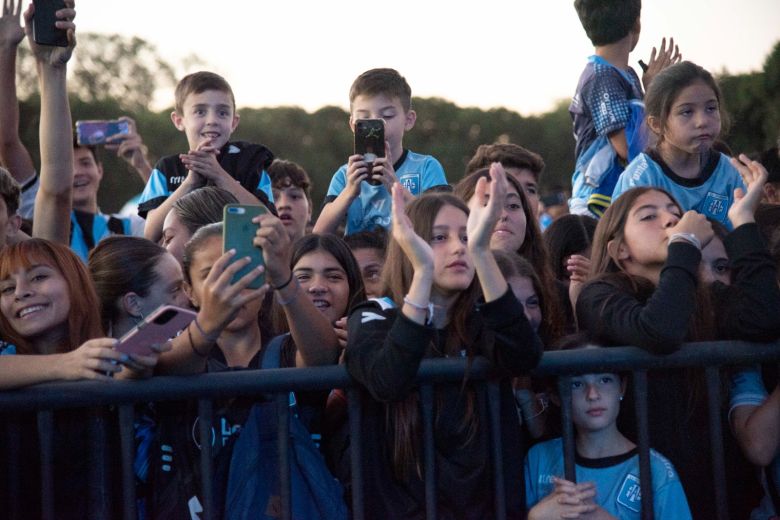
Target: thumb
739,194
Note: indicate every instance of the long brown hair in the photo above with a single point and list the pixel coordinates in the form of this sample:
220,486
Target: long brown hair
533,249
83,321
402,418
605,268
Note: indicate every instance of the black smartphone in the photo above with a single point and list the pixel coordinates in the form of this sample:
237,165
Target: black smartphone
238,232
44,30
370,142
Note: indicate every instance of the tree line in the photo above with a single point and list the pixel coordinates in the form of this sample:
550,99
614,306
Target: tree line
114,75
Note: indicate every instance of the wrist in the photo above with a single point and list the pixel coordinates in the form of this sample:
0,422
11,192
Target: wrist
686,237
738,220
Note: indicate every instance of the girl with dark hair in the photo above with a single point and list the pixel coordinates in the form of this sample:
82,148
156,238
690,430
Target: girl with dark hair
435,277
133,276
645,291
684,109
517,231
191,212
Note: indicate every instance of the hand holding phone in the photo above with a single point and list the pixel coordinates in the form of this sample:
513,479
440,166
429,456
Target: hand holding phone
162,324
238,233
370,143
95,132
45,32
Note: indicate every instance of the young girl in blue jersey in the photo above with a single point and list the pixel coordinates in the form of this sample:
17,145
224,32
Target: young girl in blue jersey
606,463
683,108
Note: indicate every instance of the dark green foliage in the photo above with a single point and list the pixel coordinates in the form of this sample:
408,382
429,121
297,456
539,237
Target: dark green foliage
121,79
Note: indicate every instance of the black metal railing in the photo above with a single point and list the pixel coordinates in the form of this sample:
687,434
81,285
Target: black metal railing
206,388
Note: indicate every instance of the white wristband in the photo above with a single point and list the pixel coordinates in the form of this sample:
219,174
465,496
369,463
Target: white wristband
687,237
427,308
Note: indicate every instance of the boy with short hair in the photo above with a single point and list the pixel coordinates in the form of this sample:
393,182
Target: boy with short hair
378,94
521,163
771,160
292,196
607,110
205,111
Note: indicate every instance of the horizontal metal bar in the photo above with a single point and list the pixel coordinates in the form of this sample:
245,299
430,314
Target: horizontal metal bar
251,382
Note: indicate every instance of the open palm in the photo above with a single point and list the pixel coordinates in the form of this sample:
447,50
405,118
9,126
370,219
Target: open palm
11,32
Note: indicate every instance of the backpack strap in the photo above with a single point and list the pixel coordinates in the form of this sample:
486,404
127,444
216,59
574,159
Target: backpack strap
272,354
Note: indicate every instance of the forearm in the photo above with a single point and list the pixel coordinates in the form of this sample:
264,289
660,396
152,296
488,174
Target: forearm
228,183
56,179
13,154
315,340
333,213
618,141
156,217
24,370
756,429
490,278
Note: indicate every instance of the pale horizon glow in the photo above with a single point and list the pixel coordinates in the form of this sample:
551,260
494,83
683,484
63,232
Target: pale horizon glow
522,55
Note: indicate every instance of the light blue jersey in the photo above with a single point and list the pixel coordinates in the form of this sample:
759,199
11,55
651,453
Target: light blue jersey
371,209
712,194
616,479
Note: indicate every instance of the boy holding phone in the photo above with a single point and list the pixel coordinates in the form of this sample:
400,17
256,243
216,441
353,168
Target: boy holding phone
378,94
206,112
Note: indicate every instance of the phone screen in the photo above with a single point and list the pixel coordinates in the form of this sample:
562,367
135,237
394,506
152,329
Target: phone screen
90,133
238,233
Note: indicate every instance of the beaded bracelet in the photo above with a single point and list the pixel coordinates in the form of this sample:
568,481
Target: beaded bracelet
686,237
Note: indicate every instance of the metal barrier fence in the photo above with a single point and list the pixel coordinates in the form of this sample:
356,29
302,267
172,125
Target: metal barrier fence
208,387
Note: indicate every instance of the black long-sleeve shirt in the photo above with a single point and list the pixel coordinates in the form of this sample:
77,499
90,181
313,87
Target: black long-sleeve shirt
658,319
383,354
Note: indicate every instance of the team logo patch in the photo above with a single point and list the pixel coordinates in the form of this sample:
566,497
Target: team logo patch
411,181
714,205
630,495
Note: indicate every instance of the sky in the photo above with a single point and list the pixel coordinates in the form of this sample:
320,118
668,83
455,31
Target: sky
520,54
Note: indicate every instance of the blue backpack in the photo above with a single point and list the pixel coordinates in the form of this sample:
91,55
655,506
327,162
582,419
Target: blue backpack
253,490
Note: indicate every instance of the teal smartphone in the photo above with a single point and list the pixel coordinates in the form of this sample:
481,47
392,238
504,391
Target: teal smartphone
238,232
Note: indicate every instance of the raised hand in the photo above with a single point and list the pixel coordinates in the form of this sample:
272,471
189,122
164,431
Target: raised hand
203,161
93,360
131,148
11,32
417,250
56,57
694,223
273,239
357,172
221,299
659,60
485,208
754,175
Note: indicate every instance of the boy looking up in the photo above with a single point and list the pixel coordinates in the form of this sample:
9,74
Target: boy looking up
521,163
378,94
206,112
292,196
607,110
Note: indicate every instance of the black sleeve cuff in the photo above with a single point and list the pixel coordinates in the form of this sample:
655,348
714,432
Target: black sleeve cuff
684,255
502,312
744,239
410,334
145,207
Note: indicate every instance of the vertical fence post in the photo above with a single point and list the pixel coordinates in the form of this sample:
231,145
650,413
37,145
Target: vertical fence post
283,435
426,402
205,421
567,428
645,471
127,444
14,447
45,432
712,375
99,481
494,405
355,417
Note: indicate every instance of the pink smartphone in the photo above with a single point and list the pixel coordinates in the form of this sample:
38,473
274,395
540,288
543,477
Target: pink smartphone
162,324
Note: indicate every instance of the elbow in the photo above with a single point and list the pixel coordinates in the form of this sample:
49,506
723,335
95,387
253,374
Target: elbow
759,451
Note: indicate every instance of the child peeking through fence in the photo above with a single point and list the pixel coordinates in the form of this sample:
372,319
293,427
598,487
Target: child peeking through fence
606,462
